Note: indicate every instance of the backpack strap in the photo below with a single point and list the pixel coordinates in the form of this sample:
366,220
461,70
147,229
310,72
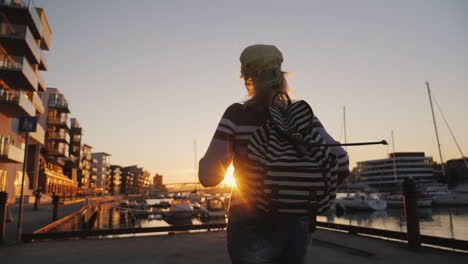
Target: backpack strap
313,203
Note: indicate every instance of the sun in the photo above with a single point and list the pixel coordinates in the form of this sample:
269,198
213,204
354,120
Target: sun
229,176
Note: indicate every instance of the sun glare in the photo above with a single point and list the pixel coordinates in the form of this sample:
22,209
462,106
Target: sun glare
229,176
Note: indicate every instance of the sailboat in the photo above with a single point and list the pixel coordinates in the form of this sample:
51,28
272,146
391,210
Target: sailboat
457,196
364,199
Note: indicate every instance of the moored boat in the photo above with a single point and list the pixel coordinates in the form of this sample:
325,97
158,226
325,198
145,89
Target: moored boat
362,201
213,208
396,200
181,208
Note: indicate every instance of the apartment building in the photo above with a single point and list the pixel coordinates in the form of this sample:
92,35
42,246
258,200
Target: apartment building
55,176
114,179
85,180
24,36
158,182
127,177
144,182
72,164
387,174
134,180
101,163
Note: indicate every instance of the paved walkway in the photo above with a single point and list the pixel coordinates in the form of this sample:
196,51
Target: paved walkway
33,220
328,247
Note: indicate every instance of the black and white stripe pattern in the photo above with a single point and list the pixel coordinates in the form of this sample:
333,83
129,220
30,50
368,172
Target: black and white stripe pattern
277,163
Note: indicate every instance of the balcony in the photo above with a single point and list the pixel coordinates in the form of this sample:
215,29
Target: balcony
61,137
23,12
37,102
17,72
59,103
46,31
41,86
76,141
58,152
60,122
43,66
15,104
39,135
10,153
18,39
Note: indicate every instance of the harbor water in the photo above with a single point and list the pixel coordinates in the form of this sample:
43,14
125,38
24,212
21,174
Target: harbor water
448,222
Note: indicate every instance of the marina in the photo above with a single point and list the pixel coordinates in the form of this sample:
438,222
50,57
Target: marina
440,221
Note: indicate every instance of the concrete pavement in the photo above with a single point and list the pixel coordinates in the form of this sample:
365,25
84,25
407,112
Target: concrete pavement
209,247
33,220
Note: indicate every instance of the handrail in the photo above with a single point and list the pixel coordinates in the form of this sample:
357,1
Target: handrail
53,225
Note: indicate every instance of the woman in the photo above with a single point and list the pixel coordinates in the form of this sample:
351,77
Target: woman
250,237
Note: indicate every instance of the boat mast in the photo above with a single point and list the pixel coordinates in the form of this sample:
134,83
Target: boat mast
195,164
394,159
344,125
465,160
436,132
344,131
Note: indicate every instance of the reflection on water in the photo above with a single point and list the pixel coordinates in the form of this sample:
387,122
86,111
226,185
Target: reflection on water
110,217
450,222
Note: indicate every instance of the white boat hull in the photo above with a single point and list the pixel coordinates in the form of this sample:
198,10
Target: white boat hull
365,205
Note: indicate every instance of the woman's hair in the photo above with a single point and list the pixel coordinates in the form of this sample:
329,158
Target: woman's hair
263,85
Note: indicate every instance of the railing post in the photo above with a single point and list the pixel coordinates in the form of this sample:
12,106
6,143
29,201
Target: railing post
55,202
36,202
411,214
3,215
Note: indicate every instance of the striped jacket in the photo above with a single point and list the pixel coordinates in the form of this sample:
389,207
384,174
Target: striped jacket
229,144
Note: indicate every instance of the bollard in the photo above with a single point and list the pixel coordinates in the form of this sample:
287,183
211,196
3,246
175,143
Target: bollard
36,202
3,215
411,214
55,202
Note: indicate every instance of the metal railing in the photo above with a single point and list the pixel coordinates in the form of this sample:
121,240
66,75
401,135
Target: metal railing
14,31
31,6
59,136
21,64
59,121
18,98
10,151
354,230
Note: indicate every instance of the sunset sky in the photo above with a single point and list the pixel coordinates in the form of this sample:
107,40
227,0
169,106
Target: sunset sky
146,78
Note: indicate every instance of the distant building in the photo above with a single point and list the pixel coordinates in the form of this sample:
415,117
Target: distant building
158,182
114,179
144,182
54,176
85,179
58,126
24,34
102,163
72,165
134,180
387,174
127,178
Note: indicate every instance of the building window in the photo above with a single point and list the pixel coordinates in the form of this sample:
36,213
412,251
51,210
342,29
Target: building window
18,179
3,180
52,99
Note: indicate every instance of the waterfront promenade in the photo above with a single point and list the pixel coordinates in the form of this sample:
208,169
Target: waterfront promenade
209,247
33,220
